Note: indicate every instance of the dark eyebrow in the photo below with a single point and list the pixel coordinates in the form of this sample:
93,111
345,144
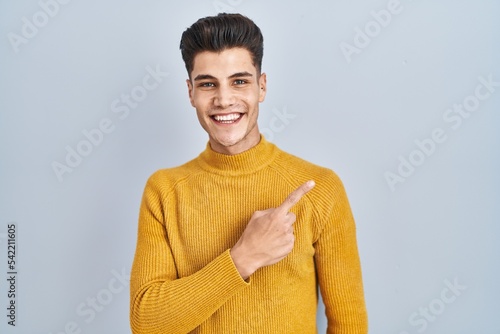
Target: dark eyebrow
240,74
203,77
232,76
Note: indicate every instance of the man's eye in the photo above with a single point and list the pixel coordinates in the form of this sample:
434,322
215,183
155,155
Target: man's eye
239,82
207,84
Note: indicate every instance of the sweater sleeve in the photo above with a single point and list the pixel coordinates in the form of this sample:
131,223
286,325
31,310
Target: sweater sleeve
338,265
160,302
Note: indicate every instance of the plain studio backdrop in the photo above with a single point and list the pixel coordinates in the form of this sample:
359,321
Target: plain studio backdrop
400,98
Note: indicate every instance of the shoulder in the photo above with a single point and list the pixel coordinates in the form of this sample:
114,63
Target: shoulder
329,193
166,179
302,170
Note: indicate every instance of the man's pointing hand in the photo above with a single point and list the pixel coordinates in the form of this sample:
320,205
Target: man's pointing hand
268,237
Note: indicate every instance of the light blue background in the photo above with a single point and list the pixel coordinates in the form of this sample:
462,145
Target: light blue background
357,118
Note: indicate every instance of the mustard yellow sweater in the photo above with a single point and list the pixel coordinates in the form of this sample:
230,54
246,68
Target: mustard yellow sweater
183,279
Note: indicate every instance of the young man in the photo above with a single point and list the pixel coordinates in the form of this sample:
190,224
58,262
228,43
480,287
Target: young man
238,239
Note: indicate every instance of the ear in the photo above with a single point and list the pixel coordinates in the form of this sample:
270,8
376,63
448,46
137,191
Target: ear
262,87
190,91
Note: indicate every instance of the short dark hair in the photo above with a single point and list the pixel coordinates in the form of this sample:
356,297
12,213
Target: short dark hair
221,32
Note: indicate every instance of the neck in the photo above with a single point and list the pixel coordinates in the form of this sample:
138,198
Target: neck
249,161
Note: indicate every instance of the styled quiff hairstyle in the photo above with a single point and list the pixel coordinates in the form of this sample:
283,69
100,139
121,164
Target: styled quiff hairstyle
221,32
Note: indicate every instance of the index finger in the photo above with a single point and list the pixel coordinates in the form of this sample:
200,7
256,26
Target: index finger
295,197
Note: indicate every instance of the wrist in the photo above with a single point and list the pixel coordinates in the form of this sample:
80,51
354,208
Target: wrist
244,266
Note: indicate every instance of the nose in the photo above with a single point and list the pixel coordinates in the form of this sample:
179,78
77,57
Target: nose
224,97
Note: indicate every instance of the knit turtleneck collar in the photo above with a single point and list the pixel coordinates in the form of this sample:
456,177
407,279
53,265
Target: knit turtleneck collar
245,162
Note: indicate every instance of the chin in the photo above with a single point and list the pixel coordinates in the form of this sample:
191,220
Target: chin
228,141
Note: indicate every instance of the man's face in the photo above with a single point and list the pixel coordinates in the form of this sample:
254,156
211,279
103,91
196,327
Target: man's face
226,90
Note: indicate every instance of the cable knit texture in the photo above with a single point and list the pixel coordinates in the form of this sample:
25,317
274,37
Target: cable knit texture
183,279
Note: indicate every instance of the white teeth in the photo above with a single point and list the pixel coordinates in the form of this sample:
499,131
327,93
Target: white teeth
229,117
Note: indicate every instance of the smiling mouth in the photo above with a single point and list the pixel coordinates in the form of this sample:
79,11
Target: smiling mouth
227,118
